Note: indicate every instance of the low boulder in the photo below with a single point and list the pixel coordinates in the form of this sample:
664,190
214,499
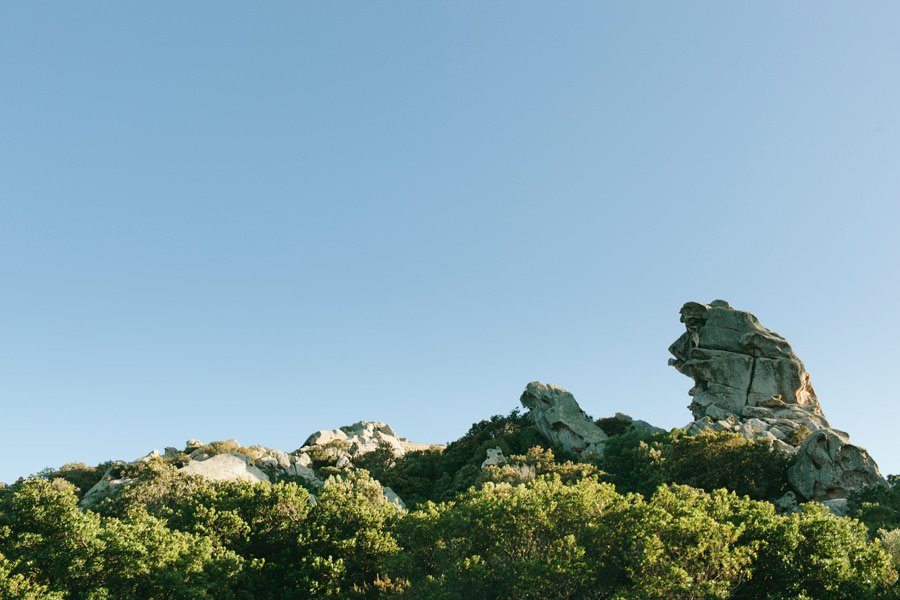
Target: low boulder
225,467
827,467
494,458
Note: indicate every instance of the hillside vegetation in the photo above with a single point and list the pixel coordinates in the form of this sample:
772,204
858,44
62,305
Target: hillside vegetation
658,516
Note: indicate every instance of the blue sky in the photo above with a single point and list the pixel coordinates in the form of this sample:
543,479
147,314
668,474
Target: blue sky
221,220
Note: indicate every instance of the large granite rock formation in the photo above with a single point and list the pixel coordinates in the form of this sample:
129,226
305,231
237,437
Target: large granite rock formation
747,379
557,416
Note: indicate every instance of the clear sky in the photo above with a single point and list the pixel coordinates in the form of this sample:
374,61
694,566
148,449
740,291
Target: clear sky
230,219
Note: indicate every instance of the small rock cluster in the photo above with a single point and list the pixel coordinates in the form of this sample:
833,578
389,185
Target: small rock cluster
261,464
360,438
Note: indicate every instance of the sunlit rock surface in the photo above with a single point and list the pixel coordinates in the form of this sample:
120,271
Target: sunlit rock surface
557,416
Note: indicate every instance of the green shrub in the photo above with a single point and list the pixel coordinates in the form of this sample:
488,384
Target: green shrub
326,455
639,462
712,460
616,425
439,475
877,507
222,447
891,542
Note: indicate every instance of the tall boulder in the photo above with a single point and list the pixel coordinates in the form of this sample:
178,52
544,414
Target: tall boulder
557,416
748,380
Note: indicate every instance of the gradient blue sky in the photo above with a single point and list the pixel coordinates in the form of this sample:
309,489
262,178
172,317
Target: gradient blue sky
222,220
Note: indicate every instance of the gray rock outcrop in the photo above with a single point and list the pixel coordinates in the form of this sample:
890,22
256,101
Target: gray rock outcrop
827,466
748,380
392,497
361,438
743,371
557,416
620,423
106,487
225,467
494,458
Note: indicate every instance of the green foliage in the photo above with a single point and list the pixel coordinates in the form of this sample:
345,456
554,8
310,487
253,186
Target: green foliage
584,540
878,507
327,455
78,554
347,539
813,554
16,586
710,460
538,461
797,436
891,542
513,434
635,461
227,447
439,475
616,425
82,476
537,527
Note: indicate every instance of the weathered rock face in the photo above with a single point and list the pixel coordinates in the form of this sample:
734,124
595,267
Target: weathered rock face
557,416
743,371
828,466
392,497
747,379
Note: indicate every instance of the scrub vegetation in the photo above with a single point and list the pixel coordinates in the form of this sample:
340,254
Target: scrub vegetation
660,516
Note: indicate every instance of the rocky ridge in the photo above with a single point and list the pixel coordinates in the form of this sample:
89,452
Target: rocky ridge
229,461
747,380
558,417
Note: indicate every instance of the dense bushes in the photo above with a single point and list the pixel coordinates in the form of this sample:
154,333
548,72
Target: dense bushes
649,521
640,462
439,475
172,536
878,508
585,540
52,543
